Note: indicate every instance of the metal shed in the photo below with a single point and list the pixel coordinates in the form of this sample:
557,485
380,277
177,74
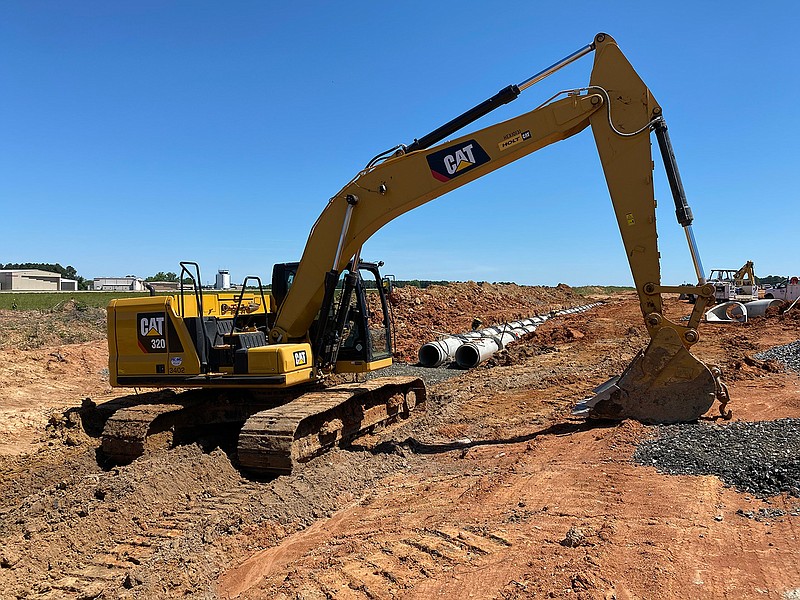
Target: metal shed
30,280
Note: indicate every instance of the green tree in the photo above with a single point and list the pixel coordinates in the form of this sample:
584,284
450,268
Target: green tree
771,279
161,276
168,276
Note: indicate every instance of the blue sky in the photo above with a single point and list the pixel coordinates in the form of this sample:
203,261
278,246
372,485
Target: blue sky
134,135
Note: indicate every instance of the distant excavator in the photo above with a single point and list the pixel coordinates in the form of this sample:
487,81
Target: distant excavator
260,360
738,285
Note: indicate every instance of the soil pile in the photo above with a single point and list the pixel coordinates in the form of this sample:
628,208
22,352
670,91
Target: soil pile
494,491
68,323
422,315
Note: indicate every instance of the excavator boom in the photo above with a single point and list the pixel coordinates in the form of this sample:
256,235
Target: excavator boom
666,383
401,183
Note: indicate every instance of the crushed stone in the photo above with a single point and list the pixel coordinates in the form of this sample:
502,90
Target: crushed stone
428,375
788,355
759,458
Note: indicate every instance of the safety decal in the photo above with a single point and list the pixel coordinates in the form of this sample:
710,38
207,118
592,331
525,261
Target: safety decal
151,332
514,138
456,160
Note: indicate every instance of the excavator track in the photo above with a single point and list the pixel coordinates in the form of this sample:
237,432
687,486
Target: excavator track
279,430
130,432
277,440
139,424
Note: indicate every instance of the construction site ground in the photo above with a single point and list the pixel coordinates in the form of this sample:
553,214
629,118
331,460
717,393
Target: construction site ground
496,491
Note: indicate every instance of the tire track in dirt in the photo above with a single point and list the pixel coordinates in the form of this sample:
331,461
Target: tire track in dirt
423,529
109,570
349,556
151,529
566,512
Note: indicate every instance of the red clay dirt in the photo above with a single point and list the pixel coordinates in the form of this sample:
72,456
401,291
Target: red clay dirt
495,492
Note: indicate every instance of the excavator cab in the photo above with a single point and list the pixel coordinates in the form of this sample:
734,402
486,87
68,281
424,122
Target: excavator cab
354,334
367,339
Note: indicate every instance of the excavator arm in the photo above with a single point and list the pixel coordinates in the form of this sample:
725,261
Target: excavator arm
745,275
665,383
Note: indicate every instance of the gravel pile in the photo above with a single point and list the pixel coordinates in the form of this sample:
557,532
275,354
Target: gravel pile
762,459
428,375
788,355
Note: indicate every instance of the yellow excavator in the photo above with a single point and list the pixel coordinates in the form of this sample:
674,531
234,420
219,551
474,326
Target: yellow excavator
260,361
738,286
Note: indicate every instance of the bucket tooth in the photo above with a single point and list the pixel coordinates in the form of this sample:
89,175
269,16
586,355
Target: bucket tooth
601,392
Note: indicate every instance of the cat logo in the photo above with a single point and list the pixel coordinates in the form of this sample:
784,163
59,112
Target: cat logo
150,333
300,358
451,162
150,325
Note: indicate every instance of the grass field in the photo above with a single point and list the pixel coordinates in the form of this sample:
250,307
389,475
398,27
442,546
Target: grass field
51,300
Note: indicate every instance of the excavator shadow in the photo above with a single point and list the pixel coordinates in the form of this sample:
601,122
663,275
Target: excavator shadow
414,446
93,419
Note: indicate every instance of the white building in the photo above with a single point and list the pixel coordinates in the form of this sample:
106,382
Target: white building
223,280
34,280
130,283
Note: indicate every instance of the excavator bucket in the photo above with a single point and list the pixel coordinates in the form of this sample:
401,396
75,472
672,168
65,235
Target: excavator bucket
663,384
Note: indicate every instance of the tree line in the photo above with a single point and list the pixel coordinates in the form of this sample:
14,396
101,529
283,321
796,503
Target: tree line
168,276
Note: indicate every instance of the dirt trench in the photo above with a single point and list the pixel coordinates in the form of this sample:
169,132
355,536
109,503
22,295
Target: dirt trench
494,492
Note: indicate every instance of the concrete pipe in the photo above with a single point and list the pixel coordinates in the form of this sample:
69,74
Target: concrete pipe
727,312
758,308
474,352
737,312
435,354
472,348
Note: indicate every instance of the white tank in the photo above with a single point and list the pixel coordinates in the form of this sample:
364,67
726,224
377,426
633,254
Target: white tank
223,280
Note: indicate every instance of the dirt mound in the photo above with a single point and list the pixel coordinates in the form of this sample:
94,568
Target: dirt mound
594,290
157,527
68,323
36,382
474,496
421,315
68,508
525,347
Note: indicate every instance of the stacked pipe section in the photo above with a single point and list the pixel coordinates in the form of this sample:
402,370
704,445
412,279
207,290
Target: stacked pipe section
470,349
738,312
